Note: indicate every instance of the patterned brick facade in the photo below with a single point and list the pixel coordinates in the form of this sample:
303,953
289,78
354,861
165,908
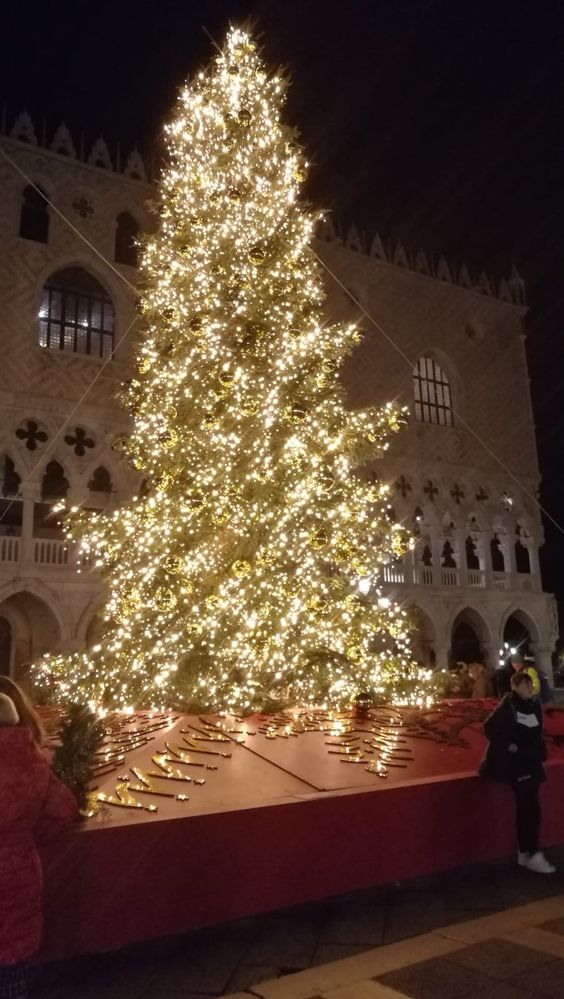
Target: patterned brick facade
444,481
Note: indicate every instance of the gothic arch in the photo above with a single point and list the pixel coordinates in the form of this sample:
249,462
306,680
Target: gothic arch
469,614
424,640
37,620
525,618
88,616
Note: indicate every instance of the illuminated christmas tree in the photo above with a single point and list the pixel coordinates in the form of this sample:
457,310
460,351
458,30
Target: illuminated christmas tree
233,581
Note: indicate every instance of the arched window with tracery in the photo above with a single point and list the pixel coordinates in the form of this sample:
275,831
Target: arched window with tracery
34,215
432,400
127,231
76,314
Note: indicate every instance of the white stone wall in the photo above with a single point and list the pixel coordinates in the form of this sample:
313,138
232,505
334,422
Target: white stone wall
475,337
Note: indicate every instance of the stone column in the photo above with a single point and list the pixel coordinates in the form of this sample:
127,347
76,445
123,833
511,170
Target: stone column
543,658
30,495
485,555
491,657
508,548
435,536
534,564
460,536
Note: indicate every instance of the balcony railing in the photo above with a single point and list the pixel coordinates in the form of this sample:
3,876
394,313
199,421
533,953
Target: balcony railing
407,574
49,551
9,549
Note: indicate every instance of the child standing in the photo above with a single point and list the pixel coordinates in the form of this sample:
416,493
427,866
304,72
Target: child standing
35,805
515,756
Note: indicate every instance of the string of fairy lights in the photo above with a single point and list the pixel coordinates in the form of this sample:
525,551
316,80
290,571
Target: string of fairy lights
234,582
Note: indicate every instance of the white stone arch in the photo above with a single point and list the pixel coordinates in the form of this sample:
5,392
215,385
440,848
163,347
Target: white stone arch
46,595
467,612
88,615
426,636
41,460
525,617
109,460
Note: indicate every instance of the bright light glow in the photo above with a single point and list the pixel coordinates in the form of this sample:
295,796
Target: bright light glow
232,578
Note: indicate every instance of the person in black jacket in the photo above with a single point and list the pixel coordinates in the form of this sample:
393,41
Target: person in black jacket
515,755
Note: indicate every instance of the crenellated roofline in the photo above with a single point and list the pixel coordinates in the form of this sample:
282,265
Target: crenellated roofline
510,290
22,129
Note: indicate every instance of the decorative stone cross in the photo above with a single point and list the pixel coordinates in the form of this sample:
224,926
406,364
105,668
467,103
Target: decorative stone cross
32,435
83,207
431,490
482,496
457,494
79,442
403,485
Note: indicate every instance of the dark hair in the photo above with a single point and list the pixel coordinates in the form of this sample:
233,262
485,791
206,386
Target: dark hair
518,679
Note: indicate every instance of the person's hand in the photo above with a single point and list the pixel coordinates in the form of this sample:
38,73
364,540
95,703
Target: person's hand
512,747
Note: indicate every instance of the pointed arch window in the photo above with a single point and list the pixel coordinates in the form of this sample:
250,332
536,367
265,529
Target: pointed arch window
34,215
127,231
76,314
101,481
432,400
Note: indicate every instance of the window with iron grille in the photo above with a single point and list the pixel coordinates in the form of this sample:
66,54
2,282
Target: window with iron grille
432,401
76,314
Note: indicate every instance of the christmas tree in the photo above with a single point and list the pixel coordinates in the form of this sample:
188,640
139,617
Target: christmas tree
233,578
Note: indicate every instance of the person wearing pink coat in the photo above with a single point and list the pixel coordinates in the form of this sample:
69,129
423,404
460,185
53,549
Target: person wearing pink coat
34,806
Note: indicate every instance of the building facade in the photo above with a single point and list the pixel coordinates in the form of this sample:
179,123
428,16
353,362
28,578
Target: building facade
463,475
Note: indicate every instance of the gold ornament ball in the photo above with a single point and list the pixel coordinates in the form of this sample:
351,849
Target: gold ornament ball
169,439
354,653
120,442
196,501
196,325
241,568
318,539
174,565
245,117
250,408
257,254
166,600
297,412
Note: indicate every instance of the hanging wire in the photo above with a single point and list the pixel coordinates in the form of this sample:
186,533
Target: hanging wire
412,365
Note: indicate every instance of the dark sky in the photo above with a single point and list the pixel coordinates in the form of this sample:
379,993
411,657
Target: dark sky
436,121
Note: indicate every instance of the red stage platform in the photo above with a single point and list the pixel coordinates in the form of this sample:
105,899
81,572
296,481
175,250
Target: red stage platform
293,809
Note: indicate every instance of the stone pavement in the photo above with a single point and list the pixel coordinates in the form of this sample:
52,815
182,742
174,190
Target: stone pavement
494,931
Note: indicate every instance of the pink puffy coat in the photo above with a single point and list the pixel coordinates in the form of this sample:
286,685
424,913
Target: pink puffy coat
33,806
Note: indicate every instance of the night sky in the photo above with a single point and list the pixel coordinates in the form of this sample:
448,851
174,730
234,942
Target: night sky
439,123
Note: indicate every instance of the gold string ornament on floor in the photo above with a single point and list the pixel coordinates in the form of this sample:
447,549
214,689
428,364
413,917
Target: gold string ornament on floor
228,579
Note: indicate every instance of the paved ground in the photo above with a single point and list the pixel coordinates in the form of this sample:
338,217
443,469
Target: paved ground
492,931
